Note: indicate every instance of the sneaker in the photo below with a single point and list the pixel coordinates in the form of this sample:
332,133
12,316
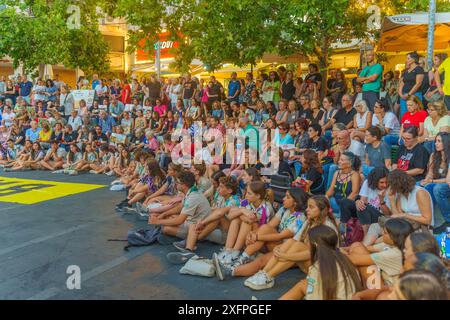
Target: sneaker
181,246
129,209
231,257
141,209
222,254
117,181
59,171
179,257
110,173
93,172
72,172
222,271
243,259
260,281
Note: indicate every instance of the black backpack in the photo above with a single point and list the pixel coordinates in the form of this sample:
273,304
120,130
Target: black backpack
280,184
140,237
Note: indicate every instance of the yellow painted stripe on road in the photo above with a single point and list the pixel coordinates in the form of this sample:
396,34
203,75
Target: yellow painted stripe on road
25,191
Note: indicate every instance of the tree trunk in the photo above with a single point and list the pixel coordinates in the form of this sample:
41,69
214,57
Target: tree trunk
323,65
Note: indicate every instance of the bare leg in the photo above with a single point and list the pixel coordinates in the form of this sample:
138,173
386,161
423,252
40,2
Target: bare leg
297,292
249,269
258,245
244,230
233,233
282,266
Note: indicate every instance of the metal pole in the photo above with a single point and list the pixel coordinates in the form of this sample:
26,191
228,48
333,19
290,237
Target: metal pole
431,26
158,60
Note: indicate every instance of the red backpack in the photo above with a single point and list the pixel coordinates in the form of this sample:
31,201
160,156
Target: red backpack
354,232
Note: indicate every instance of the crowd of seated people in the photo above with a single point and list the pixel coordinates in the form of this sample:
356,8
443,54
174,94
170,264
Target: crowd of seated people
348,160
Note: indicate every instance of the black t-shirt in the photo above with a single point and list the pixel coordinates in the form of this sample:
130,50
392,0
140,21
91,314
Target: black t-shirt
154,90
99,137
56,136
312,174
416,158
288,90
409,78
342,116
317,118
215,90
189,87
319,145
307,114
313,78
20,134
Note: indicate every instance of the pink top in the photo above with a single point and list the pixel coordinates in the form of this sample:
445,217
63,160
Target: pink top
160,109
205,95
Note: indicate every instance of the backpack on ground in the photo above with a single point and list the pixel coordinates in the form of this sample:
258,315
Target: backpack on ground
141,237
354,232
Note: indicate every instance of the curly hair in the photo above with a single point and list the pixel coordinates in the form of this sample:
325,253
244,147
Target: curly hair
375,176
400,182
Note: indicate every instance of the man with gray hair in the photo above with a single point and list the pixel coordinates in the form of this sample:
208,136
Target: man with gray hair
346,114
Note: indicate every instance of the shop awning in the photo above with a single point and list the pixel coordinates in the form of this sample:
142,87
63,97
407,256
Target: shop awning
409,32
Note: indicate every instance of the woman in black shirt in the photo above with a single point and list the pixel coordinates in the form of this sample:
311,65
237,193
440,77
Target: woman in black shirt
287,87
410,81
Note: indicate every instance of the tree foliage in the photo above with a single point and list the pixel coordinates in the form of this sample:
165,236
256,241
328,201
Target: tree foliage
34,32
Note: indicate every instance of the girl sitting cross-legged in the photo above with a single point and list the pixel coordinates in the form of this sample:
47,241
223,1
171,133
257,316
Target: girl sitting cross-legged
255,210
286,223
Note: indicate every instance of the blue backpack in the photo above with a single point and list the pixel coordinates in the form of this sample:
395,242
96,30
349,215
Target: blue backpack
141,237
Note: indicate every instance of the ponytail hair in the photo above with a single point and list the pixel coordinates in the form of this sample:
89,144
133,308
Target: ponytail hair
355,160
259,188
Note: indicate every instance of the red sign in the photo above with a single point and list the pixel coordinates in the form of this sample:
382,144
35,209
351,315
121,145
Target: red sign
167,47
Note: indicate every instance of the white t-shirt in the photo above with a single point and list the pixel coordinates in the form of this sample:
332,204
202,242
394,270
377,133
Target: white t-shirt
371,195
390,121
8,118
357,148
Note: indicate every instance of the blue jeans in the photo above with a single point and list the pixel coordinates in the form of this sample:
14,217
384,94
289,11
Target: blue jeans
335,208
429,145
366,170
297,167
403,107
440,193
391,139
332,168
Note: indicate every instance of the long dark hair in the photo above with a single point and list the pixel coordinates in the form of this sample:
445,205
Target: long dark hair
437,156
324,251
398,229
419,284
300,198
424,242
154,170
312,160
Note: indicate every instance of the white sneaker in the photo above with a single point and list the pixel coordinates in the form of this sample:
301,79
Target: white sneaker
117,181
93,172
260,281
231,257
110,173
222,254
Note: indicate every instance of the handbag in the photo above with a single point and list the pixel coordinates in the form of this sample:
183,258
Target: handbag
434,98
199,266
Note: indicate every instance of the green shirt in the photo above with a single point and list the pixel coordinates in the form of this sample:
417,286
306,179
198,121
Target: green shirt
252,139
369,71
